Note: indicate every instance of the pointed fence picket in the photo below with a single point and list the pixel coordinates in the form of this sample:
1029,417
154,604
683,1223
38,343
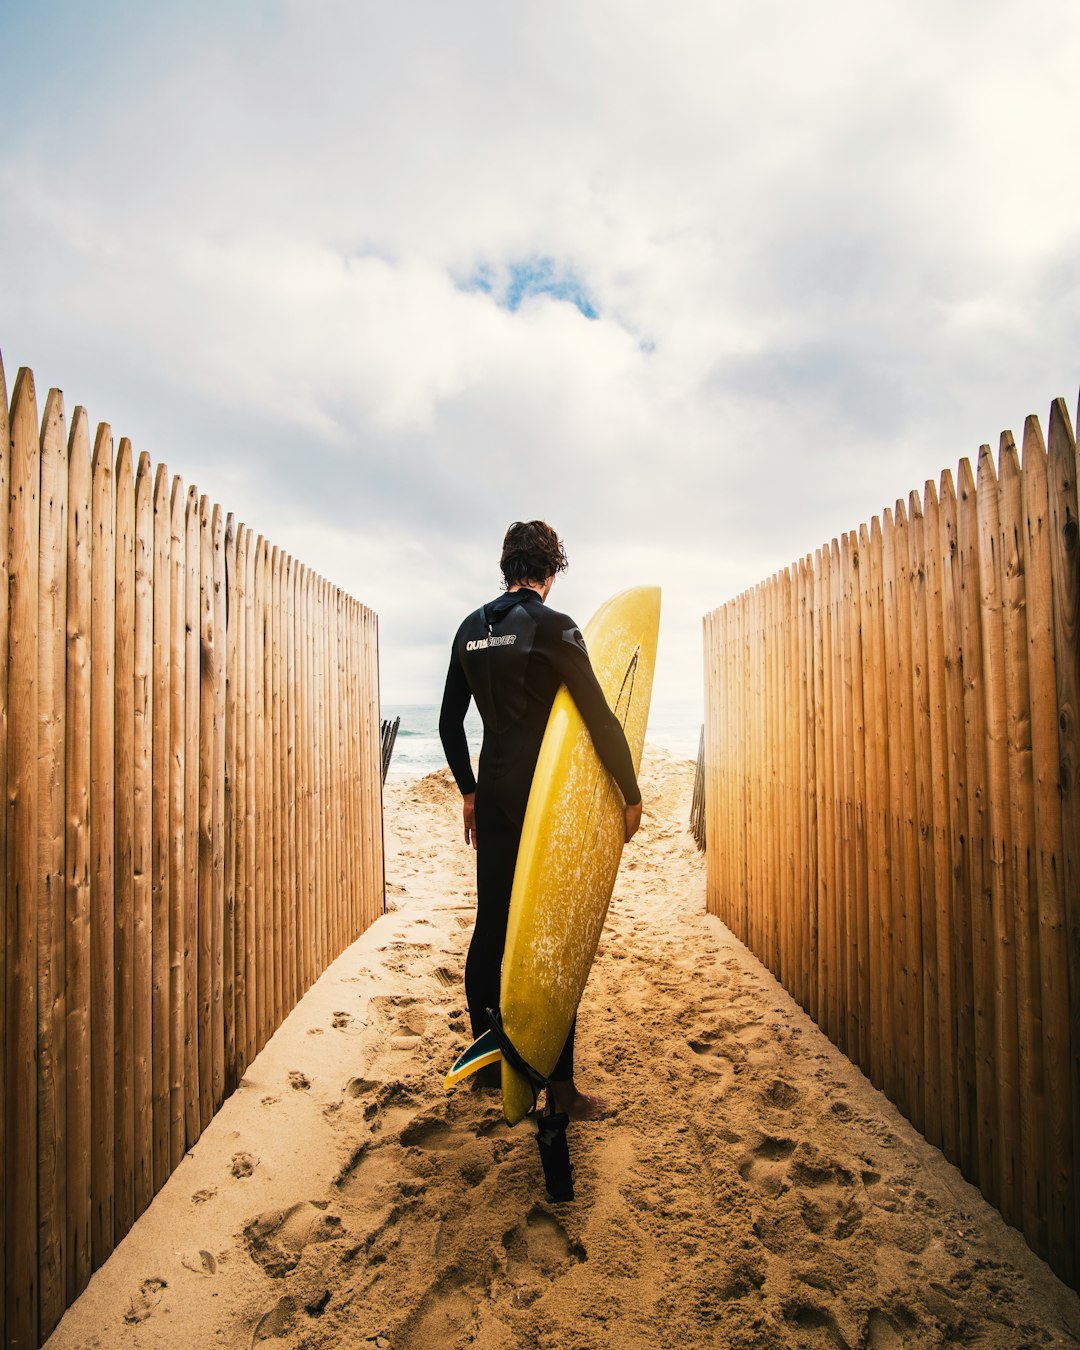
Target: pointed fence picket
892,808
191,768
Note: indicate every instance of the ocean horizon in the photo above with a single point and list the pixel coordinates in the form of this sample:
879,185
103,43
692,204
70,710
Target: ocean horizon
418,750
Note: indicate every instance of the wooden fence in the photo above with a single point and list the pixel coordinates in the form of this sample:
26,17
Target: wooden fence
893,805
190,761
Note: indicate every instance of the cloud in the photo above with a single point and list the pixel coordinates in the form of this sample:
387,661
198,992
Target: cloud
703,291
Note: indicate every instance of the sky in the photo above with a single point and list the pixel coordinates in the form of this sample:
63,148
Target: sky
702,284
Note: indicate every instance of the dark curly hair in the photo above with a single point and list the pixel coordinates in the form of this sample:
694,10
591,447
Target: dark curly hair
531,551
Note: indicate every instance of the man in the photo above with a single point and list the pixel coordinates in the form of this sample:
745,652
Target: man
511,656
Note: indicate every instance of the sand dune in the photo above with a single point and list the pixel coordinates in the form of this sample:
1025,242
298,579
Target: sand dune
752,1188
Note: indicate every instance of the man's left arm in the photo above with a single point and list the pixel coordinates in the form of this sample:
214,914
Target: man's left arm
571,660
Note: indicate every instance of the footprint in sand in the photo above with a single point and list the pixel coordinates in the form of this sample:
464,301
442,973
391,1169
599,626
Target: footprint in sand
300,1081
243,1165
356,1087
341,1019
278,1322
765,1166
539,1248
781,1095
827,1204
276,1240
445,1316
435,1136
712,1059
200,1197
145,1300
817,1325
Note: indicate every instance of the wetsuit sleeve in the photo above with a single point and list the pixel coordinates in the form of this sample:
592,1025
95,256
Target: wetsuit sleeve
575,670
455,705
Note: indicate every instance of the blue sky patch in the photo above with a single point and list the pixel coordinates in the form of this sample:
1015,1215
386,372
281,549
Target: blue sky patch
528,277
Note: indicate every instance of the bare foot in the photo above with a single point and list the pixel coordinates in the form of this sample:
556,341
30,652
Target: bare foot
578,1105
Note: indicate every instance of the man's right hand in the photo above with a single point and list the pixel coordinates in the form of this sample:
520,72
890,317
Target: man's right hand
468,811
632,816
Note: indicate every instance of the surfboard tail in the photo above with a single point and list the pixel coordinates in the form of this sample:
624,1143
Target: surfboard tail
482,1052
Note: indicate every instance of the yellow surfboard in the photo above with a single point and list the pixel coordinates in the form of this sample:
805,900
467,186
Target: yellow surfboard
569,853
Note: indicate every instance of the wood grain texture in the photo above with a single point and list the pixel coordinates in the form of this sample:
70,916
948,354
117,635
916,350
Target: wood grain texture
77,859
124,835
21,1089
1020,877
51,919
192,722
178,987
160,893
1004,940
142,835
222,924
102,845
206,921
977,784
1065,572
1047,862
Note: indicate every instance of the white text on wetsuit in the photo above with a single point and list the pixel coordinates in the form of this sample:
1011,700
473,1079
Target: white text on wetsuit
480,644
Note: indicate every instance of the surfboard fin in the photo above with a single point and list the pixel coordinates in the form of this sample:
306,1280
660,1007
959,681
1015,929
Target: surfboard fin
483,1051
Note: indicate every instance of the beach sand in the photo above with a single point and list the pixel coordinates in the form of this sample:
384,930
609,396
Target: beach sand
751,1189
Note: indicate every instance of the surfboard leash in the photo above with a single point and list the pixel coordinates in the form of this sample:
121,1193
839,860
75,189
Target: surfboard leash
550,1124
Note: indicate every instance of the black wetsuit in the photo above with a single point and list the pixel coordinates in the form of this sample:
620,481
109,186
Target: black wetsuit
511,656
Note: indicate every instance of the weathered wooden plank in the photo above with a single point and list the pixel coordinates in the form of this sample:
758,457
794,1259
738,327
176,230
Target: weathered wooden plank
1020,875
868,768
909,927
124,832
818,953
143,836
77,860
178,988
847,1025
937,695
102,844
878,760
829,931
1004,927
976,780
303,838
802,784
250,701
860,937
288,783
160,893
235,728
312,775
1065,571
921,794
192,719
207,702
51,922
222,922
20,1097
273,743
893,947
1047,862
263,968
959,839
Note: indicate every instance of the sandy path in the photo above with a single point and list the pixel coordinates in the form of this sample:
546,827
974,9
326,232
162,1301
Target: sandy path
753,1189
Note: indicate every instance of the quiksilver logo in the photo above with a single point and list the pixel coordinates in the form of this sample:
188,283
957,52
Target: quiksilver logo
481,644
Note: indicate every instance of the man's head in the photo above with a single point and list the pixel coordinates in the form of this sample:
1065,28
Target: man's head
532,552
